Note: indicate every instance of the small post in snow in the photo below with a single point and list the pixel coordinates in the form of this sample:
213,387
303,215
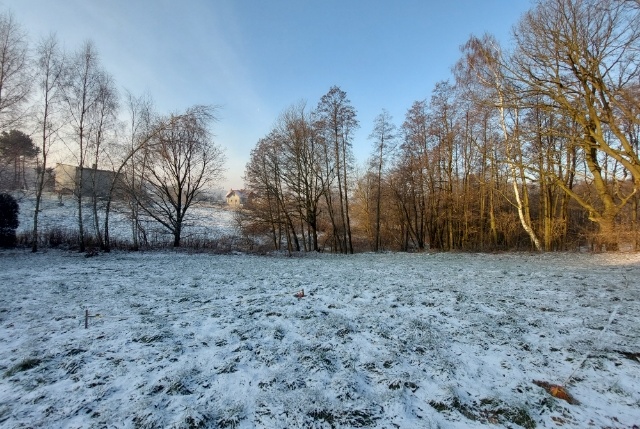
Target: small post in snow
86,318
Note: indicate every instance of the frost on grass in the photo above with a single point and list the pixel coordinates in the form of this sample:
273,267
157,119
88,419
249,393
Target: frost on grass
389,340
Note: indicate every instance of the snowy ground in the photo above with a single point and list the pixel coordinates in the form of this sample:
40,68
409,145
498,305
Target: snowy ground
386,340
202,221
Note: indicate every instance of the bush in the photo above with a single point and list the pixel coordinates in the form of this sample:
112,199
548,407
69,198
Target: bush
9,222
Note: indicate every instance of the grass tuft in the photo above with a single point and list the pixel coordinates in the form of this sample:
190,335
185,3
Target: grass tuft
22,366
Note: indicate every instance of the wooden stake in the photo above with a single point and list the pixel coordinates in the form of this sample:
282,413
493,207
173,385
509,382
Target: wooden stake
86,318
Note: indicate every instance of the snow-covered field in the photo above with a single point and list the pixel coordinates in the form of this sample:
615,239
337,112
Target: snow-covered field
202,221
379,340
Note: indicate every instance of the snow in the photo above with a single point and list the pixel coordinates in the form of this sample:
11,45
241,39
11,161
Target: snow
203,221
379,340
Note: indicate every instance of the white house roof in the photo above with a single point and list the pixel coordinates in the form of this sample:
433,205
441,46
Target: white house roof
239,192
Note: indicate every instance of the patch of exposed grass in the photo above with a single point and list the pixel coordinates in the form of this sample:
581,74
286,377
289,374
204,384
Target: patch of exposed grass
349,418
24,365
323,415
489,410
231,416
178,388
147,339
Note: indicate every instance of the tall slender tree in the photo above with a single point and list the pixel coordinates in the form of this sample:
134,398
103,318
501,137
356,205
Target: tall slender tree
301,152
337,118
49,74
15,73
412,180
81,91
484,62
263,212
384,138
140,130
103,122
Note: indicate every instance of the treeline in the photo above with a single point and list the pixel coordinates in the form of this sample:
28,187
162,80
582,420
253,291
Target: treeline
157,165
535,147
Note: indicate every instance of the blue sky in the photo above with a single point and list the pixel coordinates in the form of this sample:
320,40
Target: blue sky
254,58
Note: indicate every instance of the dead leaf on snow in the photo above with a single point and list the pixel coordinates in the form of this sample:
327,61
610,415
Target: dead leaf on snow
556,391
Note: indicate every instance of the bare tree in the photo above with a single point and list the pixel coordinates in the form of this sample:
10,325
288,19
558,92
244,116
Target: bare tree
15,79
49,76
132,156
302,165
484,62
103,121
384,138
582,57
140,130
263,175
337,119
444,137
81,92
412,179
183,162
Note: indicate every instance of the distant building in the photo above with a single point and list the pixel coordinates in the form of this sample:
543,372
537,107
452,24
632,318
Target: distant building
236,197
67,176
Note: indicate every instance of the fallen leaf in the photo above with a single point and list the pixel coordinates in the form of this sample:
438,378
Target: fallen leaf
556,391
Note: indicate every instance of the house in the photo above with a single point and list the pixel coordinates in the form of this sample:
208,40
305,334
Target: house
236,197
93,180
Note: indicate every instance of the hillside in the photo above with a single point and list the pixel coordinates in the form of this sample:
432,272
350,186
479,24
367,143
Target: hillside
207,221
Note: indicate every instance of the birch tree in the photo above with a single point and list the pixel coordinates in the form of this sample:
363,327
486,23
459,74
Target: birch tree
484,62
140,127
15,73
80,94
103,122
49,74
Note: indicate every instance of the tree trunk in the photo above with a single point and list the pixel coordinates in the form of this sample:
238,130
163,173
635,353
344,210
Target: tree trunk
176,235
376,246
94,202
342,237
107,241
606,240
346,202
39,190
79,179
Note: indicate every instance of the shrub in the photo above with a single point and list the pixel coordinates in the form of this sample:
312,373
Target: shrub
9,210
